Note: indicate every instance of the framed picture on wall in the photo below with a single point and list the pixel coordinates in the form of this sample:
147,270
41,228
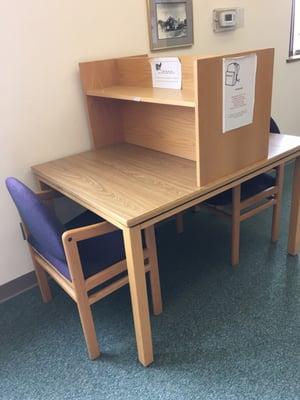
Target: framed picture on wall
170,23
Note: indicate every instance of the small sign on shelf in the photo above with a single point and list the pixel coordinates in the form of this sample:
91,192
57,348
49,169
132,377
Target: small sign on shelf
166,73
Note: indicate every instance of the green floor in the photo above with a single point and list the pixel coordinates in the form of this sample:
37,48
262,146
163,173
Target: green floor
223,334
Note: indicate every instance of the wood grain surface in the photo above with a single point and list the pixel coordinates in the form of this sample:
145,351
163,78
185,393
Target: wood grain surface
164,128
128,184
174,97
221,154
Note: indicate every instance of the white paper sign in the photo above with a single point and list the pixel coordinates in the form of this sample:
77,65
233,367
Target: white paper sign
239,78
166,72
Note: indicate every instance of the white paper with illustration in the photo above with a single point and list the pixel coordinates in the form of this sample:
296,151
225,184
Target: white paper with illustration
239,79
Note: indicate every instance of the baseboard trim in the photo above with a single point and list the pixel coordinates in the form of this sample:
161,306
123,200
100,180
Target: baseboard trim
17,286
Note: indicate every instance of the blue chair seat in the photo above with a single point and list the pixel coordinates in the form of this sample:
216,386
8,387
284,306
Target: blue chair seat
248,189
96,254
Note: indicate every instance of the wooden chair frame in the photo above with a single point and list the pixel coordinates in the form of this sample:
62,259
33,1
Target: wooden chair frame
242,210
78,288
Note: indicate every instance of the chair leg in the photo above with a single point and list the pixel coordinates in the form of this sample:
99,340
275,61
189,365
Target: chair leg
42,279
294,222
154,272
88,326
277,206
82,299
179,223
235,228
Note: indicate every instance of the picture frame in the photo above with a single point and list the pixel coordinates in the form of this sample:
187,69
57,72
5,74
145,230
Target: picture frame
170,23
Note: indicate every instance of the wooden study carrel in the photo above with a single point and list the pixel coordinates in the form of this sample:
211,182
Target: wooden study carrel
124,107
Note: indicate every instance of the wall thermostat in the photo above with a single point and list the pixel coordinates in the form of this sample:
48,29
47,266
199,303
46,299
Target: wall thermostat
225,19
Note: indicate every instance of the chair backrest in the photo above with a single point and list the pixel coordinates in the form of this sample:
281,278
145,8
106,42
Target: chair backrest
42,225
273,126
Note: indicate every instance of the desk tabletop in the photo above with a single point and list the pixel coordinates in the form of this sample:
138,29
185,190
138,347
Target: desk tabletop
128,184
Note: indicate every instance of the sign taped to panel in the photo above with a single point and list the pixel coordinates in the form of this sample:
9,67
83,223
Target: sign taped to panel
239,79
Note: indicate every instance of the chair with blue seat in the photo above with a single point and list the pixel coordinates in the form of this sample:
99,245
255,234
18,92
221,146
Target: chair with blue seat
86,257
248,199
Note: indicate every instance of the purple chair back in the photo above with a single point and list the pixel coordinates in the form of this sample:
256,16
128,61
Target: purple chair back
43,226
273,126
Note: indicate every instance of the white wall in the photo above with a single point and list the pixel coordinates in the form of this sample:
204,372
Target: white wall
41,102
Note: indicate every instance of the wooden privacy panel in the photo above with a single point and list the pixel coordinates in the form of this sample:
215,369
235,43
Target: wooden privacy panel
136,71
220,154
105,122
129,71
169,129
98,74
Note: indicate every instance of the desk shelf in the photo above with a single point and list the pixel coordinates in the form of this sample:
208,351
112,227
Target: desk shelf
184,98
124,108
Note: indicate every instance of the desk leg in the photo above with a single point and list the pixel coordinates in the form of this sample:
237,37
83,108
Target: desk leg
294,232
138,292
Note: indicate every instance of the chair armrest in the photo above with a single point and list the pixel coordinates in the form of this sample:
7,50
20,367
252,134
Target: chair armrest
88,232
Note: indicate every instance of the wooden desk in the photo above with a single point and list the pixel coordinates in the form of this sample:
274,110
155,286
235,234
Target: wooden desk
134,188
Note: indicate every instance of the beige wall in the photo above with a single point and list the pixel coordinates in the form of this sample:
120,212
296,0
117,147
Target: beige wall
41,103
